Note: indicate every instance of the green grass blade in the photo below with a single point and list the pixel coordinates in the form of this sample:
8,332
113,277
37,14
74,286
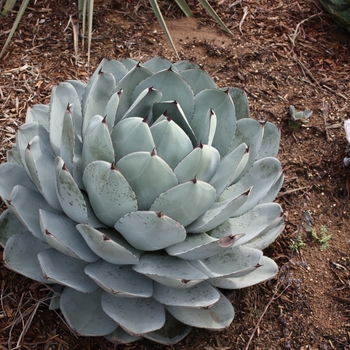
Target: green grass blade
15,25
211,11
184,7
161,21
9,4
90,18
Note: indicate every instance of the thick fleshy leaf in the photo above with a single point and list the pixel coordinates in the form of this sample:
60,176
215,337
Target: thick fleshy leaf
125,134
129,63
172,332
221,103
97,144
170,271
21,255
261,177
121,281
110,194
12,174
13,156
84,313
150,230
60,232
127,84
184,65
270,142
171,142
148,176
240,100
233,262
201,246
143,104
250,132
207,131
39,113
26,203
26,132
111,110
267,270
39,161
267,236
218,316
157,64
230,168
186,201
202,295
97,98
201,163
109,245
69,194
174,111
198,79
251,223
119,336
274,190
149,312
64,269
68,140
79,87
165,81
218,213
9,226
63,95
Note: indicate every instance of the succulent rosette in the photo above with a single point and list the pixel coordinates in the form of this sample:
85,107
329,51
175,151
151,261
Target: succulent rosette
140,195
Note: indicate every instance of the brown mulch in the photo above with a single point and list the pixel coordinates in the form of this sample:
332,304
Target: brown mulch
282,53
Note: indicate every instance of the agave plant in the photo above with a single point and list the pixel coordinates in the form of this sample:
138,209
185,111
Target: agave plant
340,10
140,195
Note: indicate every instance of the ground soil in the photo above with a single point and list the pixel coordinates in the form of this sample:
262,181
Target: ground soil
282,53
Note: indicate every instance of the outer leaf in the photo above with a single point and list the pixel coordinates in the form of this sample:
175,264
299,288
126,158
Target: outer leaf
233,262
156,64
201,246
119,336
261,177
172,332
126,132
267,270
69,194
39,161
270,142
110,194
26,203
219,316
171,142
20,255
186,201
60,232
148,176
84,313
9,226
170,271
64,269
229,168
12,174
39,113
149,230
109,245
97,142
240,100
121,281
201,163
150,313
218,213
202,295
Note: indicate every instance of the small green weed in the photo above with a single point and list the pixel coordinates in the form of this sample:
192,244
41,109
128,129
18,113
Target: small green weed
323,238
297,244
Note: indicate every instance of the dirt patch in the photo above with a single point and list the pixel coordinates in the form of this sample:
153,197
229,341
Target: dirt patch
282,53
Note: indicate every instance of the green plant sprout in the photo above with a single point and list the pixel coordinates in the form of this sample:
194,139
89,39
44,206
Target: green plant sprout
323,238
298,118
297,244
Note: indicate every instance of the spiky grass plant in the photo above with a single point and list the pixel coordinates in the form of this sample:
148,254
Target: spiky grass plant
136,197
